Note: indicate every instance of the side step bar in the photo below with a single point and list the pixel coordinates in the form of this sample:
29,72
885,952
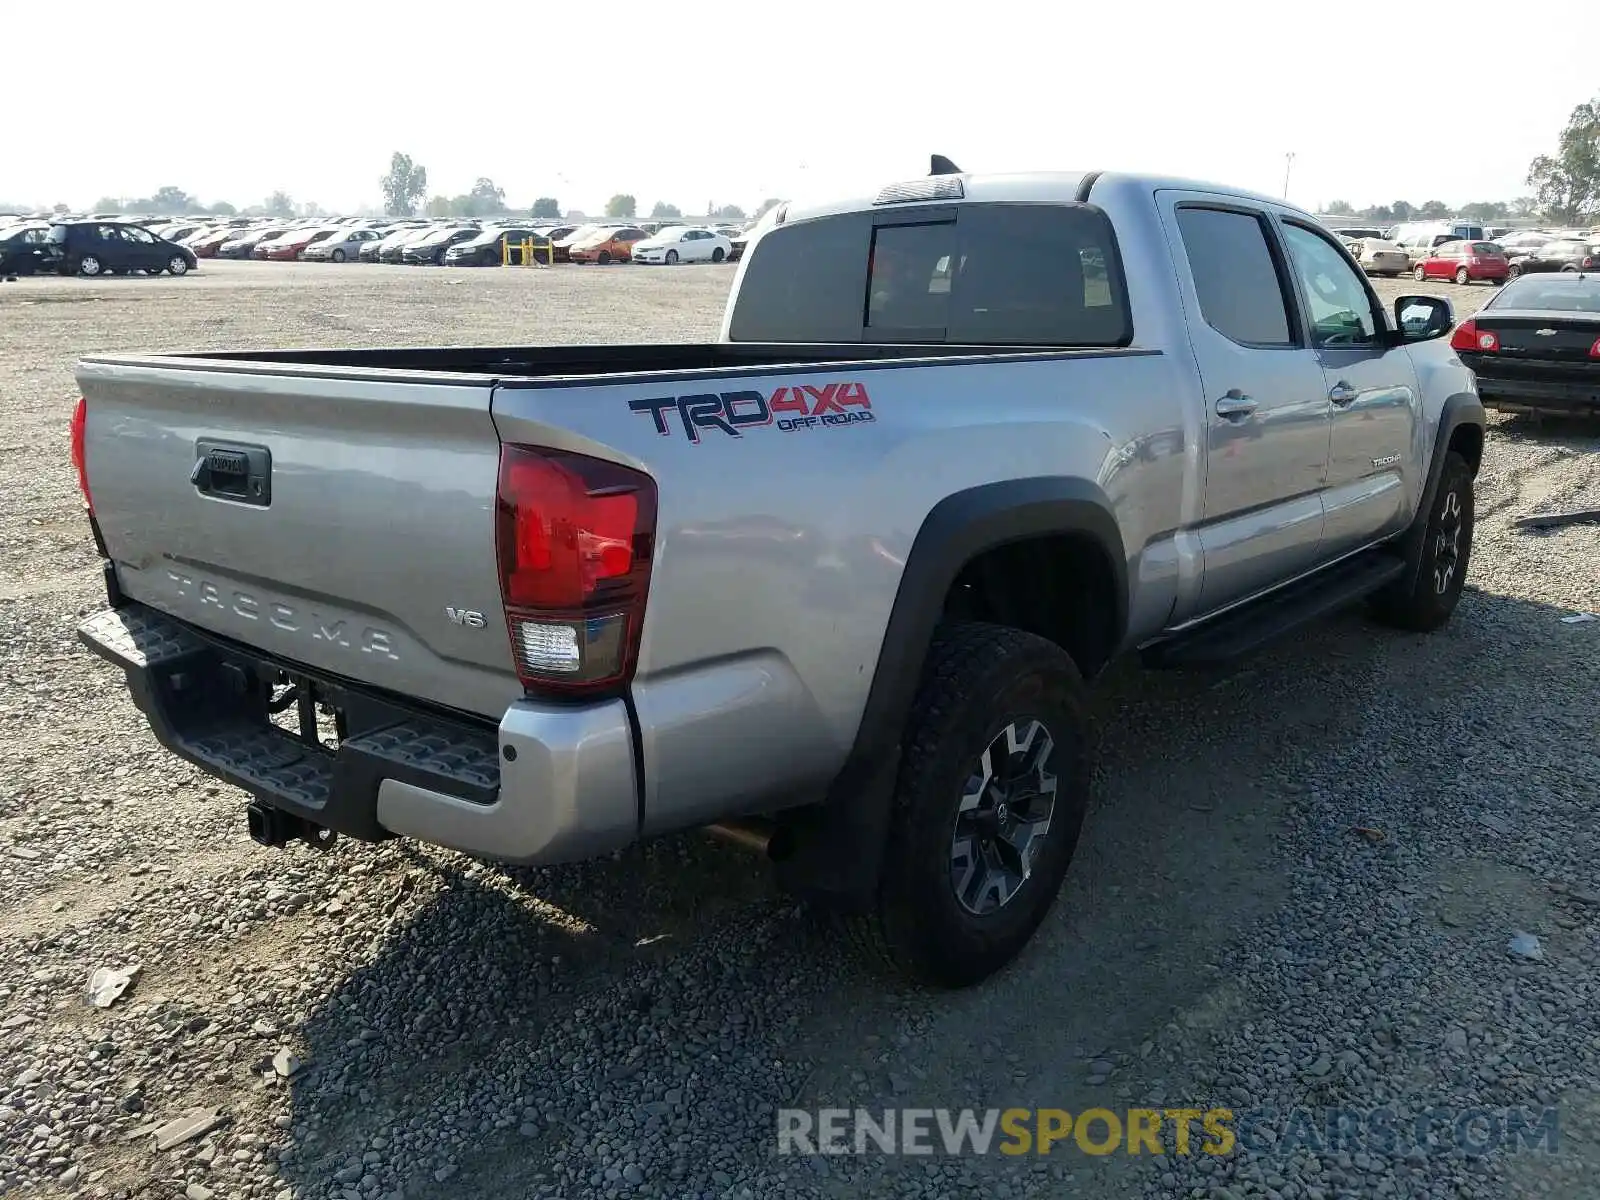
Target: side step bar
1251,626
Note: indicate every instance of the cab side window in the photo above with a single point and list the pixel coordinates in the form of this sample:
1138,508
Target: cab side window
1235,276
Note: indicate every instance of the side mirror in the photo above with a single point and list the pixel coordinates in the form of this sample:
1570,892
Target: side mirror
1423,318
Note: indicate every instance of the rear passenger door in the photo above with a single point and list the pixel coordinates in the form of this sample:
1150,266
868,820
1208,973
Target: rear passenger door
1267,410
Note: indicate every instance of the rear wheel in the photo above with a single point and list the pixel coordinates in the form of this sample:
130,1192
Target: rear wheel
717,255
1462,277
988,803
605,258
1420,274
89,265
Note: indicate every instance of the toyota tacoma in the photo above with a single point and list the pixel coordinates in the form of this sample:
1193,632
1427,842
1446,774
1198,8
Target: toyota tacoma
834,585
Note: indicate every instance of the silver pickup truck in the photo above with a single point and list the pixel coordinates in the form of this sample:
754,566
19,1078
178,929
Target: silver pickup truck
833,586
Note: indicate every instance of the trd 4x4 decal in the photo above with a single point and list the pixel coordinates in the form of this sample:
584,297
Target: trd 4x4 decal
789,408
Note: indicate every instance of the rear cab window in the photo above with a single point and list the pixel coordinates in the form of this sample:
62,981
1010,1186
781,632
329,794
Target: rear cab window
979,273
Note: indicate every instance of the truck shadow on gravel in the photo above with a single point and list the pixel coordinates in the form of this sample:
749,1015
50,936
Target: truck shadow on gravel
631,1026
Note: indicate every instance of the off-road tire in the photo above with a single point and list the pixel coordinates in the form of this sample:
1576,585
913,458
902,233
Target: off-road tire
978,679
1420,604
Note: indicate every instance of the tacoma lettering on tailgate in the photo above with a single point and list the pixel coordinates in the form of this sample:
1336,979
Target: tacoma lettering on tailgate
210,597
789,408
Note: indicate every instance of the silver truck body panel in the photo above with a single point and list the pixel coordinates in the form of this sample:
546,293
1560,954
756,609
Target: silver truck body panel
787,585
566,792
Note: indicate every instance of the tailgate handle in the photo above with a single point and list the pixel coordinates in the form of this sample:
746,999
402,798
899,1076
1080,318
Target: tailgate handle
230,471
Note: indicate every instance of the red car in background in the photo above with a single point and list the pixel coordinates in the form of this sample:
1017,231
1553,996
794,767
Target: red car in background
1465,262
287,247
207,245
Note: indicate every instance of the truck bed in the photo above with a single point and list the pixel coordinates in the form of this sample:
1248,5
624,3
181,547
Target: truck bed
574,362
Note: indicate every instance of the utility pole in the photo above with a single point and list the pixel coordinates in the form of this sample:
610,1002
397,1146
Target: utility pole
1288,165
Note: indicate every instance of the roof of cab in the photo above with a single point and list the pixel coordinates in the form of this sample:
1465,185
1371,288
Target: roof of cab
1038,187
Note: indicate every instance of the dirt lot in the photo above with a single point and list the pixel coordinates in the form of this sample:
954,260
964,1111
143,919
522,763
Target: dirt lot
629,1027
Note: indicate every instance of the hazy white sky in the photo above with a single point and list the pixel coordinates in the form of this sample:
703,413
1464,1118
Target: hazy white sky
234,101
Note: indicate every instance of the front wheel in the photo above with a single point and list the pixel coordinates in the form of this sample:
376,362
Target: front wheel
178,265
989,799
1420,274
1462,277
337,256
1424,602
1514,271
672,258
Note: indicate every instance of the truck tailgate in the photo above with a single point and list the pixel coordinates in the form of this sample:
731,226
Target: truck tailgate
359,540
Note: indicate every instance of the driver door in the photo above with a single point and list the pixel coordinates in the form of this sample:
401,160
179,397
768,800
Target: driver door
1374,450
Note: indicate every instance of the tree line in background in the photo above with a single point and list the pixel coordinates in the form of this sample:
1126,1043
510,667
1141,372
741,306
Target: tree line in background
405,194
1566,191
1566,186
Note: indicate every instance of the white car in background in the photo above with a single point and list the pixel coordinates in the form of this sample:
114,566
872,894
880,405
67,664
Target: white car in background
1378,257
340,246
683,243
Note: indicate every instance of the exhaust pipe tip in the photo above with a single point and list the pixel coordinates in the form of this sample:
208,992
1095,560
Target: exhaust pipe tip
766,838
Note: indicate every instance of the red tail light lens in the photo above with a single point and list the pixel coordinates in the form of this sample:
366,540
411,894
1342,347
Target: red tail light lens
576,536
1588,263
1594,350
80,461
1470,338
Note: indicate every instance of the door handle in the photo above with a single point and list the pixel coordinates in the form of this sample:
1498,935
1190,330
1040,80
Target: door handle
1342,393
1235,406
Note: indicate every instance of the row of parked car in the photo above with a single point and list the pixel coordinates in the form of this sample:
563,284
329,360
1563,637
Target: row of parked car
1469,253
109,245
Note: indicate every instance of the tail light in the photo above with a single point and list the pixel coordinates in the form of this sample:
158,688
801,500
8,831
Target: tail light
1594,350
576,536
1474,261
1588,263
80,461
1474,340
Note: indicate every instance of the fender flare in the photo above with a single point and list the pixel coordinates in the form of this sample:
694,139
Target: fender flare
849,826
1460,409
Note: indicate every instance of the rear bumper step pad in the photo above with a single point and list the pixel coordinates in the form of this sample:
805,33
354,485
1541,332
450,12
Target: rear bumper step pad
207,702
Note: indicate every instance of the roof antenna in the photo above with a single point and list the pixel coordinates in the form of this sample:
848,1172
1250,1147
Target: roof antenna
943,166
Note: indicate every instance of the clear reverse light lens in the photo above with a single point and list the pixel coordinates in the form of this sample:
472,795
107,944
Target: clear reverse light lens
549,649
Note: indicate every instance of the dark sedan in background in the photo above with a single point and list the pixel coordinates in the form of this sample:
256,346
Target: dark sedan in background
431,249
486,249
1535,347
1564,254
245,244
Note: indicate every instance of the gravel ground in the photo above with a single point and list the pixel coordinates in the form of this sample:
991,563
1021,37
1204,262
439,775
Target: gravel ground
399,1020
